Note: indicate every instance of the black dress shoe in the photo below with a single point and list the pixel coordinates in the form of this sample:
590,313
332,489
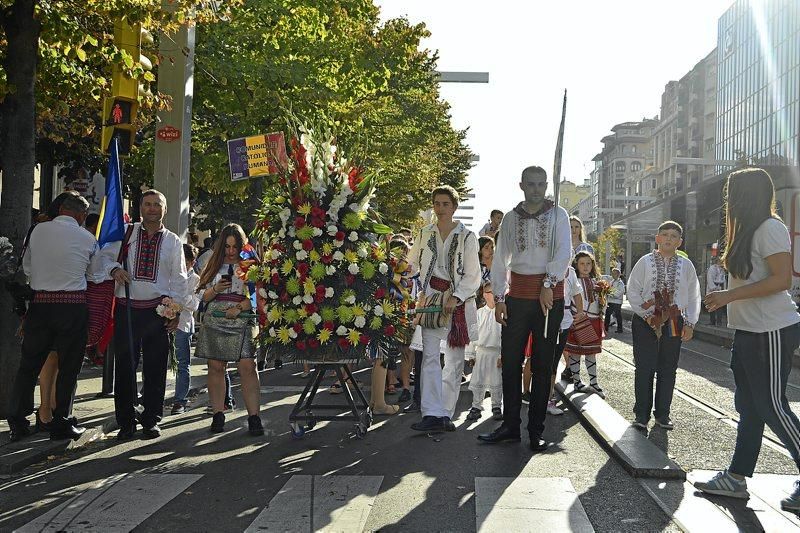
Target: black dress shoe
18,433
501,434
538,445
429,423
151,432
41,425
68,431
448,424
127,432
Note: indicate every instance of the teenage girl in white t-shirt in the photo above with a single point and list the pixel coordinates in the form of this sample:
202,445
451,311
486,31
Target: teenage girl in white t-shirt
760,309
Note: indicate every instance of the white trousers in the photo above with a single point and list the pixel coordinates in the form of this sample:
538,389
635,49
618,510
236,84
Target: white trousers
440,386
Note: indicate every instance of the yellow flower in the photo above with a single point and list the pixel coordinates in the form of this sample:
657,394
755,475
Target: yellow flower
324,335
358,310
378,253
353,336
314,255
283,335
274,314
351,256
388,308
301,312
327,248
287,267
304,209
308,286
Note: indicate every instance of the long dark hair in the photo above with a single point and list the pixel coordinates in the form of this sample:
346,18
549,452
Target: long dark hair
218,252
749,201
594,273
481,243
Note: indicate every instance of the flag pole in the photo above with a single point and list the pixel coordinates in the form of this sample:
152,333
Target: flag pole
556,185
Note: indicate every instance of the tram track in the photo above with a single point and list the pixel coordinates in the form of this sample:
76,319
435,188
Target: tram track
720,414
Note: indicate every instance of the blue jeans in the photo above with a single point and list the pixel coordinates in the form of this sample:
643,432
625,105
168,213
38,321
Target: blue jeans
183,341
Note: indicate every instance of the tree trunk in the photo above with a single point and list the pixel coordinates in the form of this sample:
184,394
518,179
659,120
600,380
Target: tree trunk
18,160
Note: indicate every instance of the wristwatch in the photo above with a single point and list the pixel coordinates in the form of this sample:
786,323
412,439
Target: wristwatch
547,284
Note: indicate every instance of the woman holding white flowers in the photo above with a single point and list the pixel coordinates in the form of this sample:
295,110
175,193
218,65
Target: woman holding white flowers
226,336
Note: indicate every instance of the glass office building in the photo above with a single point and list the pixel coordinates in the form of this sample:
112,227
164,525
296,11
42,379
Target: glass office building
758,82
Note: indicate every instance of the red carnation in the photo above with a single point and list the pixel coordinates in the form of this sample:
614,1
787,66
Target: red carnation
313,344
282,181
311,309
317,222
301,345
389,330
320,289
317,212
302,269
349,279
329,325
363,339
299,222
298,327
276,279
278,246
326,259
339,236
319,298
308,245
284,297
380,292
344,343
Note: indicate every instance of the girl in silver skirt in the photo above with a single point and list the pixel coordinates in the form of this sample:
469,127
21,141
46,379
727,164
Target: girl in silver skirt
226,336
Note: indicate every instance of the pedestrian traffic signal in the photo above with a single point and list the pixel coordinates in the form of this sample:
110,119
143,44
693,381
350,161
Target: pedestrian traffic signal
119,115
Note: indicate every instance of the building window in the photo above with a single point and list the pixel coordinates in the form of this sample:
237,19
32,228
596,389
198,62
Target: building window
636,166
633,149
621,148
620,166
619,184
653,185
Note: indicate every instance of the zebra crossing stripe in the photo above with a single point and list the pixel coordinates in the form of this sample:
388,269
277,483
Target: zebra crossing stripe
320,503
117,504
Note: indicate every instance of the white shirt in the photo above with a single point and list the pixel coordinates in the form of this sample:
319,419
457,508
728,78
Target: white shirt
485,230
766,313
571,289
165,276
617,291
191,303
715,279
524,246
61,255
643,282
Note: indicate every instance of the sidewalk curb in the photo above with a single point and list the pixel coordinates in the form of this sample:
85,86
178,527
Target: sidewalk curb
631,448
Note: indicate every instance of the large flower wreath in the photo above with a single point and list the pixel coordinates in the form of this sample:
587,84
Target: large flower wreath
328,287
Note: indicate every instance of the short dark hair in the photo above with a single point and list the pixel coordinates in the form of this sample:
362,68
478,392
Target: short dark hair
670,224
189,252
495,212
55,205
207,242
155,192
75,203
445,189
534,169
91,219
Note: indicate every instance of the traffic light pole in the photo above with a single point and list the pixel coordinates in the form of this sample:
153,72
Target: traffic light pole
174,128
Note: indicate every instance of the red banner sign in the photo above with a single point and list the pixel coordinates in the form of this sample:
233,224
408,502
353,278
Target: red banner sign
168,134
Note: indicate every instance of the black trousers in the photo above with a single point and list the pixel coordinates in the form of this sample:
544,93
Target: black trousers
526,317
418,377
616,310
761,363
63,327
654,358
151,341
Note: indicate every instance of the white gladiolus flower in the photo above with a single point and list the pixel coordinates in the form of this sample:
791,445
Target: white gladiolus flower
360,322
353,269
338,256
378,310
383,268
329,290
297,300
341,331
273,295
315,318
329,270
353,236
350,300
302,255
308,299
297,245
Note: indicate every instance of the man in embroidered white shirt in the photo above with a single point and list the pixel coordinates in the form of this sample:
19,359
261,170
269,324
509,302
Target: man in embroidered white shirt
534,278
155,269
664,294
446,256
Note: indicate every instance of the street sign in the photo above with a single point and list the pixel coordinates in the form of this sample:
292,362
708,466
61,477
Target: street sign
259,155
168,134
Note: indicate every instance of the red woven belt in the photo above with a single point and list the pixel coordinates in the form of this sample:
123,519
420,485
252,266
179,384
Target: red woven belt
439,284
140,304
529,287
232,297
59,297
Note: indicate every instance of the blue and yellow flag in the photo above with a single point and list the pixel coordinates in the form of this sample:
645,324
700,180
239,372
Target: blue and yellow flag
111,226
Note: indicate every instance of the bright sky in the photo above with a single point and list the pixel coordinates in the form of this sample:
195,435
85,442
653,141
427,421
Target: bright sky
614,57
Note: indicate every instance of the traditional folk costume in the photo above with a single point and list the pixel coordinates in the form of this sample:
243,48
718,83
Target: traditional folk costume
486,376
446,266
157,268
522,265
60,256
664,294
586,337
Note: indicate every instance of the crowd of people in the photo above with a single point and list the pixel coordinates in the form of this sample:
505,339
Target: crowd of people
512,303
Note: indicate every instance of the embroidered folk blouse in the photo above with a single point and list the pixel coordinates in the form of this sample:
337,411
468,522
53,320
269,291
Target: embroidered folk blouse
677,274
524,246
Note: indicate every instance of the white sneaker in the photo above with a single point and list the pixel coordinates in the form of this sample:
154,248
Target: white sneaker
724,484
553,410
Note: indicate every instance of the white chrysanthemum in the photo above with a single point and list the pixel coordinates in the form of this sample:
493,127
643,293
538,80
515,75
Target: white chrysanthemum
338,256
262,292
332,230
291,231
274,254
350,300
302,255
272,332
360,322
297,245
330,270
378,310
362,252
353,207
329,290
282,233
297,300
341,331
315,318
317,232
353,269
308,299
292,333
338,244
273,295
353,236
383,268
